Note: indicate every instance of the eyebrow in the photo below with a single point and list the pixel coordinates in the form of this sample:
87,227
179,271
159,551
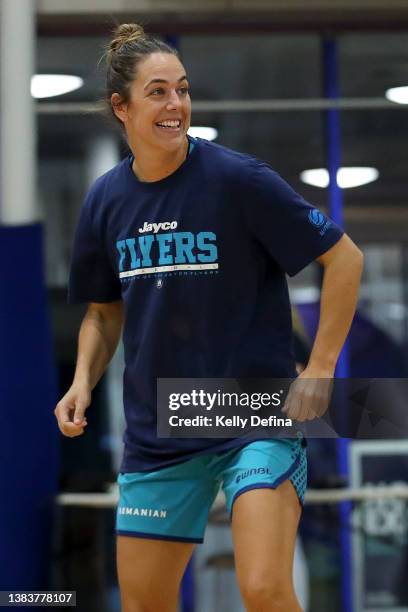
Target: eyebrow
183,78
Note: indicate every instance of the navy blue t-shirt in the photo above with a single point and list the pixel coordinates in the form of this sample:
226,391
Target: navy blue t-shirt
199,259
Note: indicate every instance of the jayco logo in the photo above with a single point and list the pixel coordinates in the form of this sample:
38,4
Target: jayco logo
156,227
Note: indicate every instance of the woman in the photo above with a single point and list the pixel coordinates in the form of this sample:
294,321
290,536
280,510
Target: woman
187,243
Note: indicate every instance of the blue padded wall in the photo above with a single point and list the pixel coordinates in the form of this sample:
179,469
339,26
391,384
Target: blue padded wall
28,432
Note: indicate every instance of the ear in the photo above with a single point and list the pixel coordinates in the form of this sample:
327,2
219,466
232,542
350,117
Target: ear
119,107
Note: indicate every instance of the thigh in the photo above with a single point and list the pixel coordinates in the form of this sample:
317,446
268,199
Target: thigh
150,572
264,485
264,527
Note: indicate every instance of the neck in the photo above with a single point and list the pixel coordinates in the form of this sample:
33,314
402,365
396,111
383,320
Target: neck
153,164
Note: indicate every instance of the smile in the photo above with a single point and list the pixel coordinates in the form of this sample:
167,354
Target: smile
170,124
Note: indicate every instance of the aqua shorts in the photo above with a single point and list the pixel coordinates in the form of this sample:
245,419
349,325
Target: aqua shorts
173,503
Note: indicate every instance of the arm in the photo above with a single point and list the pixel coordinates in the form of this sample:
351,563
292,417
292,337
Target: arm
343,265
98,338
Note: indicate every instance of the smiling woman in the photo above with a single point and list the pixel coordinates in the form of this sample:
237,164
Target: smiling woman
187,243
147,90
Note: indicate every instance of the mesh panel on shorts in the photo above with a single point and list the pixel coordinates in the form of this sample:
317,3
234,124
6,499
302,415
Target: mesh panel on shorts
299,477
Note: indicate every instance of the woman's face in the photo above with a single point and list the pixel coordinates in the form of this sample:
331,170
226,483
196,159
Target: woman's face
159,110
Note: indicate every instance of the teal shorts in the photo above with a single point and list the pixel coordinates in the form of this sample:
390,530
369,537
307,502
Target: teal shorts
173,503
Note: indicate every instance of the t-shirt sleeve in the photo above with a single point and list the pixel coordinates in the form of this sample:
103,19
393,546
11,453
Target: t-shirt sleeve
91,278
291,230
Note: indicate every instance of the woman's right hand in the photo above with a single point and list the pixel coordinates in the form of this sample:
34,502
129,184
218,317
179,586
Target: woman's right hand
70,411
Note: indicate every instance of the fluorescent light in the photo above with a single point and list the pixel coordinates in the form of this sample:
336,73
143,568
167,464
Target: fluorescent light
49,85
346,177
355,177
318,177
208,133
397,94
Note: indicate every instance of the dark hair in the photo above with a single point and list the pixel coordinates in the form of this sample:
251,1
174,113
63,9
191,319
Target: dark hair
128,47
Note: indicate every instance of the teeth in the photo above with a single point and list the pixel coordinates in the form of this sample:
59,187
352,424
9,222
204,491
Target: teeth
171,124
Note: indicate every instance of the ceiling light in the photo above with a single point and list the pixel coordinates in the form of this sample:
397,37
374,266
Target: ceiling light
318,177
397,94
208,133
346,177
49,85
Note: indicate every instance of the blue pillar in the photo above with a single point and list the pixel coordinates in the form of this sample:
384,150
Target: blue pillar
28,433
333,145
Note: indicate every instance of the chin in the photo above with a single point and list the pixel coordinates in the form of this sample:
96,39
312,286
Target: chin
172,145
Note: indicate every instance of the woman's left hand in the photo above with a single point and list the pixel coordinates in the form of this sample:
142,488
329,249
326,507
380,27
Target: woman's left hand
309,394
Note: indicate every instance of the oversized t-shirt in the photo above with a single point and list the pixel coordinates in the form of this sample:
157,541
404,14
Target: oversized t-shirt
199,259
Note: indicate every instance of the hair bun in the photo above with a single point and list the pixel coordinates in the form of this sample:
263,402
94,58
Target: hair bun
126,33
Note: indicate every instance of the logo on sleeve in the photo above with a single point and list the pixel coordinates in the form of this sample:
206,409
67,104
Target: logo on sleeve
316,218
319,220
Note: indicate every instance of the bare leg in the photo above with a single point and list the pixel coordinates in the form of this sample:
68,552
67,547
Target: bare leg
150,572
264,526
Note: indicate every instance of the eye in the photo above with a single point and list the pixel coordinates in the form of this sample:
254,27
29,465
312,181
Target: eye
157,92
183,91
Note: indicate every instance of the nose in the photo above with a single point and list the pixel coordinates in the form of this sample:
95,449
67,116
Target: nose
173,102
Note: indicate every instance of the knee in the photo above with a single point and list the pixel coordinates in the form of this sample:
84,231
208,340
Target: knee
150,604
266,596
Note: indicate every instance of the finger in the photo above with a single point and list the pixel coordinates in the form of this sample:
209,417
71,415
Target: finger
68,419
286,404
62,411
328,390
307,407
79,415
314,409
321,406
311,400
297,399
289,398
71,430
322,397
293,406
